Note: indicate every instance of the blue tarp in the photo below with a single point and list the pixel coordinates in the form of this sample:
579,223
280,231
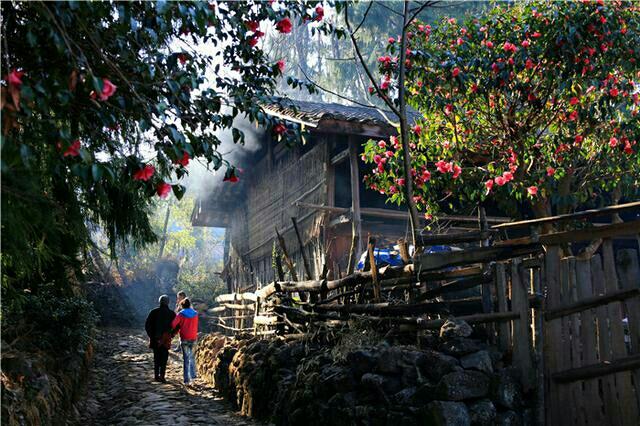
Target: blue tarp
391,257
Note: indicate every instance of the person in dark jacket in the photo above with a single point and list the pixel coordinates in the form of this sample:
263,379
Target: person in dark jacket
187,322
158,327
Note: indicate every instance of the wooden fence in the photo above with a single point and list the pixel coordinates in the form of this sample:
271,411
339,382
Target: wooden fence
569,323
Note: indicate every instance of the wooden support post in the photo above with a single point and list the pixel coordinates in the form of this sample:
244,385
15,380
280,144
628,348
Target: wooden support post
487,305
355,193
353,251
374,269
289,263
305,259
404,251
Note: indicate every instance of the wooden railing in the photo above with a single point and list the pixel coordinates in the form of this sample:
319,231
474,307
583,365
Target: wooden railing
559,316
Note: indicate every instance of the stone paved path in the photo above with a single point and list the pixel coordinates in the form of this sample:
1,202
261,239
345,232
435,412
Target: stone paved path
122,391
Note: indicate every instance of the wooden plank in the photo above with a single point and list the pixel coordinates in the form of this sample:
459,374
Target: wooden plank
611,410
504,333
239,307
627,401
629,274
598,370
236,296
591,302
404,251
588,339
553,336
565,394
355,191
576,235
386,308
454,238
522,347
573,216
339,157
538,335
575,346
434,261
265,320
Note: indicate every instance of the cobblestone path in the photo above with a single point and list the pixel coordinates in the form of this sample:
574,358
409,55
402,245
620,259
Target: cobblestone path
121,389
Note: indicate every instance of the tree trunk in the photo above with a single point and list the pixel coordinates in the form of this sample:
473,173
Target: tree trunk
404,130
163,240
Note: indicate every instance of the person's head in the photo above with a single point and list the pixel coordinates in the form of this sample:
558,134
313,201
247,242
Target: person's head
185,304
163,300
181,295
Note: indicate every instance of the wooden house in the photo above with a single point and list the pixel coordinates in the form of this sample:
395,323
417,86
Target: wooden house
319,184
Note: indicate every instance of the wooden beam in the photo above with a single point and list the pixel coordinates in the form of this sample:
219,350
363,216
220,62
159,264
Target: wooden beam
597,370
385,308
432,261
339,157
472,319
573,216
232,297
456,238
458,285
590,302
593,233
374,268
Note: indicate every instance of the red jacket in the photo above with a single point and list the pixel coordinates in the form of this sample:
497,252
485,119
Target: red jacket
187,322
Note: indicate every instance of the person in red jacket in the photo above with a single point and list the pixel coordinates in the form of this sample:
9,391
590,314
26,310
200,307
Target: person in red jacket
187,323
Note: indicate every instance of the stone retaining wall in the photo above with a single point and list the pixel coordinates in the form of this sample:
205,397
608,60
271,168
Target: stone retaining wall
451,379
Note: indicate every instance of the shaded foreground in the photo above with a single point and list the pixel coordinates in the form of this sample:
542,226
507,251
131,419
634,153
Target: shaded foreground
121,389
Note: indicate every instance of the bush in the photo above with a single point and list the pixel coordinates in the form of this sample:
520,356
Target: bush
61,323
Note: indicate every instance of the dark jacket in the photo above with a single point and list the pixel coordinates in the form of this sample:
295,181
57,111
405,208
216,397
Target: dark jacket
158,324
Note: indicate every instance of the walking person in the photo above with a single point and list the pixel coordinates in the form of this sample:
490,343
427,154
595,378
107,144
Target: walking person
180,296
159,328
187,322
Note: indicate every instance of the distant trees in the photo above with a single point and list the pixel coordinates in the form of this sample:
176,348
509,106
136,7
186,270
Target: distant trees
536,102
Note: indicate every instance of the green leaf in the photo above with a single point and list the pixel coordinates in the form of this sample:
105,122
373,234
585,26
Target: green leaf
179,191
96,172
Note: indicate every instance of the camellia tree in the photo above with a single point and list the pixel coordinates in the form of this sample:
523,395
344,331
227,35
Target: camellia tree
104,104
535,102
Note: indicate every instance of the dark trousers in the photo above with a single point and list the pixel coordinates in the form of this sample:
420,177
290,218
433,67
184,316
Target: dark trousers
160,357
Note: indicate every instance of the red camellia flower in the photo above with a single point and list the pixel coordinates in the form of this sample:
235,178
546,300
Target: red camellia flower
108,89
532,190
426,175
455,72
528,64
525,43
279,129
371,90
384,85
182,58
280,64
613,142
578,139
184,161
551,171
489,185
252,25
382,144
574,101
253,41
391,40
508,176
443,166
73,150
284,26
489,44
573,115
163,189
319,13
417,129
500,181
536,35
456,171
614,92
448,109
474,88
400,181
509,47
14,78
230,176
495,68
144,173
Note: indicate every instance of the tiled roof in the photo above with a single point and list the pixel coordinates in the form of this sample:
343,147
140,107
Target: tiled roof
311,113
